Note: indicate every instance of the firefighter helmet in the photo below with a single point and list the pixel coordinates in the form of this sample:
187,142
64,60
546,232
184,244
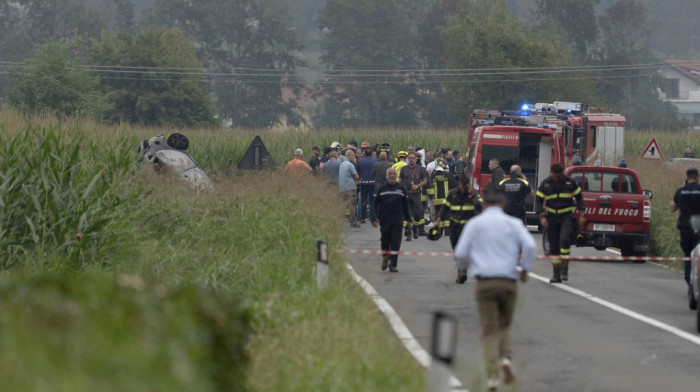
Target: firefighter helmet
365,144
441,165
402,154
434,233
385,147
335,145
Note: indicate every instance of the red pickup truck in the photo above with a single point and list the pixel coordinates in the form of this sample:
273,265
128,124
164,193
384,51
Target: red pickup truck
618,211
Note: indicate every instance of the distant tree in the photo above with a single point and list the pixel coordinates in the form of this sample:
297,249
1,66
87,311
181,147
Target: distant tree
431,39
163,83
28,23
249,48
632,90
368,47
52,82
575,21
487,38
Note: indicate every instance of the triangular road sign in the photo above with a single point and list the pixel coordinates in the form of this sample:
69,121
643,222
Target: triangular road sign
256,157
653,152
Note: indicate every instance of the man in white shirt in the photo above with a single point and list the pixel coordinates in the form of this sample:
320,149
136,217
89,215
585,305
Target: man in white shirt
490,247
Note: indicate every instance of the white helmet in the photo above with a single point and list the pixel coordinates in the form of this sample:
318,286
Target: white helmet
335,145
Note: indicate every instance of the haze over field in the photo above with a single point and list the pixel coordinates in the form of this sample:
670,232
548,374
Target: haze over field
340,63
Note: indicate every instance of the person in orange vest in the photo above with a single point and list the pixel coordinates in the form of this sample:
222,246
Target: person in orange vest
297,165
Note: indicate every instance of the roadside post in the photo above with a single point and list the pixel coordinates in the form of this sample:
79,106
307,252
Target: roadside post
321,264
443,348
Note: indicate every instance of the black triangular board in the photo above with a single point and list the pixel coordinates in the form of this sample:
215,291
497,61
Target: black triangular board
264,161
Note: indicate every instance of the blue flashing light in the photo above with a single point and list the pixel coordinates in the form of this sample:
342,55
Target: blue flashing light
568,110
525,107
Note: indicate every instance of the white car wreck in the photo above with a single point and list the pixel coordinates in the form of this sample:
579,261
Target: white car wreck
172,155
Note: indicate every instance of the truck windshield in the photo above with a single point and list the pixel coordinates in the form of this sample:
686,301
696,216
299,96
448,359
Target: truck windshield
605,181
506,155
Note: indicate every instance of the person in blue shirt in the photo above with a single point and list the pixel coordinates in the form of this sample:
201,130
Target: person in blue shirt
347,185
331,168
365,169
492,246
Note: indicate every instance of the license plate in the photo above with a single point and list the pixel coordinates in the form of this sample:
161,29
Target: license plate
603,227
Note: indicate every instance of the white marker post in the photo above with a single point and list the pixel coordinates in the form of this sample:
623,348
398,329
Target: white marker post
443,348
321,264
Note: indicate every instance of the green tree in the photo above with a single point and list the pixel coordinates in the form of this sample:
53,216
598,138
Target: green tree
367,47
153,78
52,82
575,21
250,51
24,24
489,38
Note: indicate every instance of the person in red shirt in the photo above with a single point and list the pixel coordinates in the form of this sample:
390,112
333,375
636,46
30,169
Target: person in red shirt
297,165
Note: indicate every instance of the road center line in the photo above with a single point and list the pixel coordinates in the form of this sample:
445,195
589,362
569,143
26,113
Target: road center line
404,334
627,312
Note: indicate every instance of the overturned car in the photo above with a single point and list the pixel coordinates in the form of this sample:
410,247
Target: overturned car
171,154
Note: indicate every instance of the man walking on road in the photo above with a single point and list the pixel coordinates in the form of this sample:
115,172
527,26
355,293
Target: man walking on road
482,250
555,196
687,199
516,189
391,207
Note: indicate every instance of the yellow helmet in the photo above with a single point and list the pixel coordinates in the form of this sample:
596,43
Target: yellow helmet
402,154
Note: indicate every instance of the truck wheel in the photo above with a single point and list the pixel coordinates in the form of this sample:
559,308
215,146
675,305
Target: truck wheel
692,302
640,254
545,241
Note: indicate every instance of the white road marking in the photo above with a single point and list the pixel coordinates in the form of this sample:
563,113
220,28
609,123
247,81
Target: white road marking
400,328
627,312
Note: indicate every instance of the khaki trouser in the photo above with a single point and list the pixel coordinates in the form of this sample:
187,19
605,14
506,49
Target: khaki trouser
350,198
496,302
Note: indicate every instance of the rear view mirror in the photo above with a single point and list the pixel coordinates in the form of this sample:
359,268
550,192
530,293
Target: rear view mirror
647,193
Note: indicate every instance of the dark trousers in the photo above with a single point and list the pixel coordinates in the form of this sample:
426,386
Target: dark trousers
688,242
391,238
416,207
559,234
366,198
455,232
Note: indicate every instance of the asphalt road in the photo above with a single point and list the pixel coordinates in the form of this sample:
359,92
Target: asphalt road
562,341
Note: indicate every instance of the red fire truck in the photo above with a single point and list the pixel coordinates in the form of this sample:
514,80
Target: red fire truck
590,133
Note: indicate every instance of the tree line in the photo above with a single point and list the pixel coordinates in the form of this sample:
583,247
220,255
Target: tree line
401,63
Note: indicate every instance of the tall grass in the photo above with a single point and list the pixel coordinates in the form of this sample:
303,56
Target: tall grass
250,239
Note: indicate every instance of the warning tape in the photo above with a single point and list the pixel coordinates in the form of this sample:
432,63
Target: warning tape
573,257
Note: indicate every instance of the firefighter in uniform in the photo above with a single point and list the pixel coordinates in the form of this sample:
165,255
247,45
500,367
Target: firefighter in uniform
442,182
554,203
516,189
391,206
460,205
414,177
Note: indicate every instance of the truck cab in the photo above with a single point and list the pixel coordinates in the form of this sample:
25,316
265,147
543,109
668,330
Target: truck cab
618,211
535,149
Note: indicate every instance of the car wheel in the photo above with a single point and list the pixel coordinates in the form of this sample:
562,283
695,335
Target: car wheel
545,241
692,302
178,141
